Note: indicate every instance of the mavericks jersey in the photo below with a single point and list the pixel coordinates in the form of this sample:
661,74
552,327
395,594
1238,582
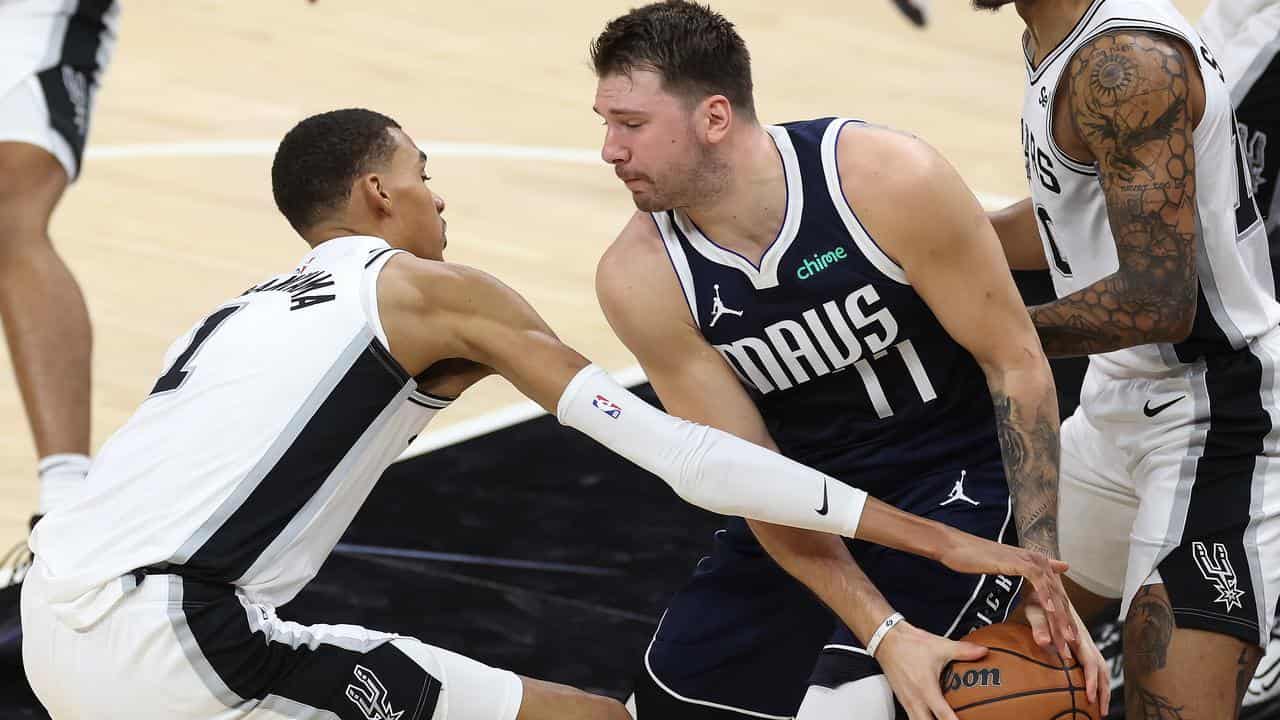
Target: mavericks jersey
272,420
851,371
1236,299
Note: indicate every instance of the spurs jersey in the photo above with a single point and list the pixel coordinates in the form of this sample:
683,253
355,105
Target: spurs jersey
267,429
850,369
1236,299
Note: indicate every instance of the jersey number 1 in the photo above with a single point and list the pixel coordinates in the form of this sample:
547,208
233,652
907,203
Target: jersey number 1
175,376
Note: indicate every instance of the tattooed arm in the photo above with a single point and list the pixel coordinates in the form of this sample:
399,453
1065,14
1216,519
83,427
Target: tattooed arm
1132,97
929,222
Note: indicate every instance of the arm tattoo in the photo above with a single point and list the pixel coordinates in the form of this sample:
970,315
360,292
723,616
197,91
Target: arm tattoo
1129,96
1029,446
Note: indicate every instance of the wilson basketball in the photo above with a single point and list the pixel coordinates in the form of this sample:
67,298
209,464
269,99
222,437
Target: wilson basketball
1016,681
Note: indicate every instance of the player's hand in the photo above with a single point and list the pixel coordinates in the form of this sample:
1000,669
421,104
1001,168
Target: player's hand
1097,676
913,660
977,556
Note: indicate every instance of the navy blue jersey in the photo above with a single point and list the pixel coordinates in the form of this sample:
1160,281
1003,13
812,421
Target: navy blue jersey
849,367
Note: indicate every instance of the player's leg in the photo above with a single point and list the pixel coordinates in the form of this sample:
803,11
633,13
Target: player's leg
1202,580
737,642
550,701
45,319
44,123
1181,672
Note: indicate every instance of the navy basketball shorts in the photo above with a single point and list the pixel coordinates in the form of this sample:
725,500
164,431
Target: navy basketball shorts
744,639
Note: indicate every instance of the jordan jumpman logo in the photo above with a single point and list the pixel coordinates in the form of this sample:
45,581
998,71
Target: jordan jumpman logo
957,493
718,308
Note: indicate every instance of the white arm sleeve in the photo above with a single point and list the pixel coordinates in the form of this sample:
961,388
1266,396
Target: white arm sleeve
708,468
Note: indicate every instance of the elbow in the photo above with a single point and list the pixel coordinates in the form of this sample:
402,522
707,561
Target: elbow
1176,325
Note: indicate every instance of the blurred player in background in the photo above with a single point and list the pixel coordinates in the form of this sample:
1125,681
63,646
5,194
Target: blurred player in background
52,56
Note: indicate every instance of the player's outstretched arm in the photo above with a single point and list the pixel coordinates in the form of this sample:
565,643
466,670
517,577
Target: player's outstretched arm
932,225
1130,97
434,311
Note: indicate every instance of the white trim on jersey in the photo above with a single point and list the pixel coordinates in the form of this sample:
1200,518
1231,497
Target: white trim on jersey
766,275
866,244
679,263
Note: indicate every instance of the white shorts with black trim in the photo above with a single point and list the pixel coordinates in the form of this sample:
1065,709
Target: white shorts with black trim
1176,479
175,648
52,55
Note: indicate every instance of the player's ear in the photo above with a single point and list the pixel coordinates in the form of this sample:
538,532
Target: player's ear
716,117
375,193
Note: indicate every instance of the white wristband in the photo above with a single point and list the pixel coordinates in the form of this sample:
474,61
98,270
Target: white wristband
889,623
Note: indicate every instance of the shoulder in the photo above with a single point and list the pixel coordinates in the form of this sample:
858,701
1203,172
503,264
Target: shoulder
1118,66
891,161
636,285
637,258
427,285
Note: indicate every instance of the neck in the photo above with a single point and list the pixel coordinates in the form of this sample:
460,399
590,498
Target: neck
1049,22
748,211
325,232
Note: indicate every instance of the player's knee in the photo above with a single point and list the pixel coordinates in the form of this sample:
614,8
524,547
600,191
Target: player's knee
871,696
31,181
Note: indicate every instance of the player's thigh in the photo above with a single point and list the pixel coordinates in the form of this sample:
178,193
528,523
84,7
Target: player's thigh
1195,673
1208,525
737,641
1096,507
32,173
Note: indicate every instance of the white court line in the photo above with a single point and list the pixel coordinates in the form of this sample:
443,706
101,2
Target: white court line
491,421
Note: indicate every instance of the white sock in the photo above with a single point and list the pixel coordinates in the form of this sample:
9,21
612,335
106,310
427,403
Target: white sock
61,479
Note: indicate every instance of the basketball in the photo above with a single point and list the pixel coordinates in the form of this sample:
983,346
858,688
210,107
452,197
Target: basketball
1016,681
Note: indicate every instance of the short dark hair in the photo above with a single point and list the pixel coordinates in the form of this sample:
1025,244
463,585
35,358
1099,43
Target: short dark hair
695,49
321,156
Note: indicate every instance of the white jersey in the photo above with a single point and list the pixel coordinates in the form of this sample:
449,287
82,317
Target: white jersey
272,420
1236,300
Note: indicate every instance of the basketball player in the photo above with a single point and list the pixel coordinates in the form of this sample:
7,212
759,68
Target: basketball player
52,55
831,289
1143,211
153,592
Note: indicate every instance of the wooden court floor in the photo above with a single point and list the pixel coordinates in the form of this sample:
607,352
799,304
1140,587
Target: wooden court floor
173,213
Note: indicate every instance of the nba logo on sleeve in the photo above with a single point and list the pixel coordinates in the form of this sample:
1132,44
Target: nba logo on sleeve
606,407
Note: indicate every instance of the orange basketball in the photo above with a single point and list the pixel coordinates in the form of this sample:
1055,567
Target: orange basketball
1016,681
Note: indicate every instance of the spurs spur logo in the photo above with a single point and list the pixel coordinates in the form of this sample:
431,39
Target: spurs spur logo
371,696
1217,570
1255,153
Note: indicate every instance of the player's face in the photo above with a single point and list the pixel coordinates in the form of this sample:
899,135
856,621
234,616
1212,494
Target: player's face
650,140
417,224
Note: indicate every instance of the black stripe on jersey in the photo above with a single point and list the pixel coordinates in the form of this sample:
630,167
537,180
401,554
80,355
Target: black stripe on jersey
377,254
69,84
1036,72
318,674
1212,586
329,434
